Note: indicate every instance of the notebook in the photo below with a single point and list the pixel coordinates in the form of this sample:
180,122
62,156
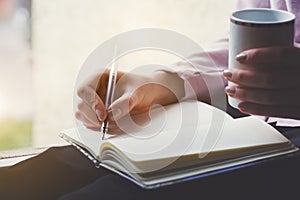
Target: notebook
180,142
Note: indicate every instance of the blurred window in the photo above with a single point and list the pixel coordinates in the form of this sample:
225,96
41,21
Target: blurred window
16,92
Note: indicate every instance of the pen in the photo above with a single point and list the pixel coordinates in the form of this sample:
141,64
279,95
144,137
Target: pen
110,91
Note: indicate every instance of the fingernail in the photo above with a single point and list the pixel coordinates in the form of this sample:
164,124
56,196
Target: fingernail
99,115
241,57
227,74
115,113
230,91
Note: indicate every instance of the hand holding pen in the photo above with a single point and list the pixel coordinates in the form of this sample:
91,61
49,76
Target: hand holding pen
135,93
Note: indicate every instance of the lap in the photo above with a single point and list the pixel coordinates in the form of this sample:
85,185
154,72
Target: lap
57,171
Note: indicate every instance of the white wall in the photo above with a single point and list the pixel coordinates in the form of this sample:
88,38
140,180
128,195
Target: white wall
66,31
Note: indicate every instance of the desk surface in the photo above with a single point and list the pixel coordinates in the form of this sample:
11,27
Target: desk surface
11,157
6,162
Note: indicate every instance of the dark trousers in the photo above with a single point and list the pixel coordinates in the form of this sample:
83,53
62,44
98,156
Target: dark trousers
64,173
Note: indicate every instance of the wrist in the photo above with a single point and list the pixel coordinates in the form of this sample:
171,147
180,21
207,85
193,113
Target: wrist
167,87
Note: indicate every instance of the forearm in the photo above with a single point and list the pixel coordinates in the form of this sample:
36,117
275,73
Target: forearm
168,87
202,72
164,87
197,77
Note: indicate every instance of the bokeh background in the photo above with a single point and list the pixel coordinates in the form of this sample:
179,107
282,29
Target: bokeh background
43,44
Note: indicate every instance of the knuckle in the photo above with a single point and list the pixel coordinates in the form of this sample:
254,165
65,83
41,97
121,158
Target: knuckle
240,77
87,94
81,91
241,94
80,106
77,115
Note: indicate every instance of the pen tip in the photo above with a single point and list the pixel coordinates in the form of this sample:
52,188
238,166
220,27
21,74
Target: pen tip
103,134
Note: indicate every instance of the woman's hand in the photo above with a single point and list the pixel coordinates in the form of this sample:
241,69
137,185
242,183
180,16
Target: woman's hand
269,84
134,94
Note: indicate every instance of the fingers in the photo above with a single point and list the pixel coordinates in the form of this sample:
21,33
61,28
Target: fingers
261,57
88,112
263,79
267,81
87,116
92,100
274,67
286,111
273,103
91,110
86,121
263,96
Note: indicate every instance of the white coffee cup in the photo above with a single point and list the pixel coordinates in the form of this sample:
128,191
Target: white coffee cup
255,28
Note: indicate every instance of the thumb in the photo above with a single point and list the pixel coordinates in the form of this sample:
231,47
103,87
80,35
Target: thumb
122,106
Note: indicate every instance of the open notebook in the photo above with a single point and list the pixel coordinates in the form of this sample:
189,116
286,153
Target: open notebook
181,142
